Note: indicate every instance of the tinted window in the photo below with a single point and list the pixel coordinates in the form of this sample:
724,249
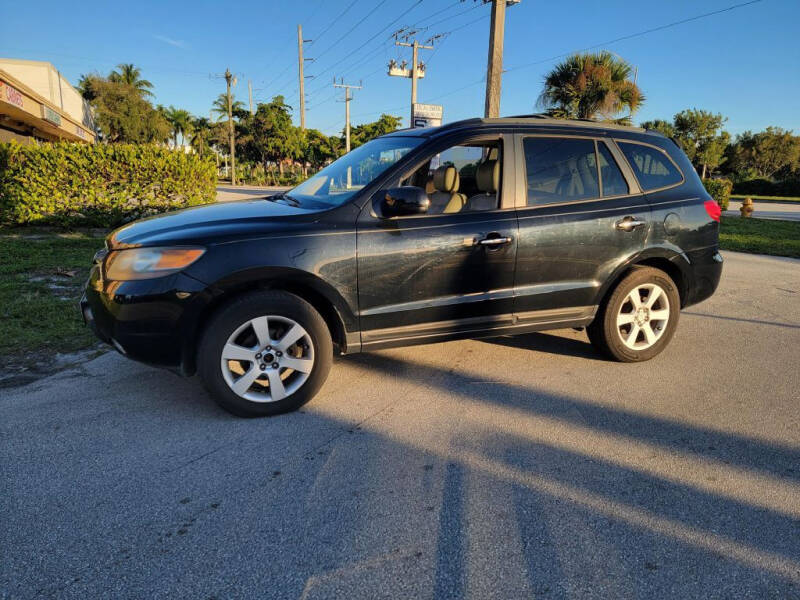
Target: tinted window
652,167
560,170
614,183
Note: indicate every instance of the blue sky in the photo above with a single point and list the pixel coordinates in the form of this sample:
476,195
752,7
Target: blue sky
744,63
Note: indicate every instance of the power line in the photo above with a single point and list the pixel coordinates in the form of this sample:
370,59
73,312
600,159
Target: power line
332,23
363,44
638,34
349,31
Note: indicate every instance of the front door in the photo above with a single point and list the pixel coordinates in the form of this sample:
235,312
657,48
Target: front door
581,215
447,273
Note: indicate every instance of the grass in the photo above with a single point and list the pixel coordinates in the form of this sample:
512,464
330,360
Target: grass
741,197
42,275
760,236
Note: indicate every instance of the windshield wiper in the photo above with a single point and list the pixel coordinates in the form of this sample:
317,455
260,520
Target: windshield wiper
284,196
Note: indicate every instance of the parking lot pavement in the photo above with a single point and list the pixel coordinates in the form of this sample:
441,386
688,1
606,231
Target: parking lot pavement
502,468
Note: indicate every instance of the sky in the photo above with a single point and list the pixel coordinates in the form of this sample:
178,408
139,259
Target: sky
743,63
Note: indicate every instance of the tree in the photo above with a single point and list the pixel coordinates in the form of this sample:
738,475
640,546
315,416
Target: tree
124,116
361,134
181,122
767,152
665,127
201,135
130,75
268,135
586,86
86,86
699,133
220,107
318,148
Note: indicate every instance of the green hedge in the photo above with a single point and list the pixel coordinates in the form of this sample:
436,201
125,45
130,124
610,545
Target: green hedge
720,190
101,185
765,187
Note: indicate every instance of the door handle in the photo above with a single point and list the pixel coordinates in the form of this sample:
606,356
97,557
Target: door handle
494,242
628,224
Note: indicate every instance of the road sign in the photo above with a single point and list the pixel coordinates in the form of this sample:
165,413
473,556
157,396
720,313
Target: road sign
427,115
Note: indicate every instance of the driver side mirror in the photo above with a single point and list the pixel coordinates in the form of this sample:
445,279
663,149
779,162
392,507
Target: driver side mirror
401,201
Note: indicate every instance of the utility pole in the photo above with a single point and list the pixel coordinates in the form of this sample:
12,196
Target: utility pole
228,79
347,98
416,71
300,63
250,93
494,66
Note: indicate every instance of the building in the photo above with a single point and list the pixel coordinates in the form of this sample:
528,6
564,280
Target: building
37,103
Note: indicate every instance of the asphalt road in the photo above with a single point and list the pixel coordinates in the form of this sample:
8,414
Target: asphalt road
506,468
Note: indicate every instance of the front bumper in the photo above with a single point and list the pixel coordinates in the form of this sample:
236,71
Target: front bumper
151,321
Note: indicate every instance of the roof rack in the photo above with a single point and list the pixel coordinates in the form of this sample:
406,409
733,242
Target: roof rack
550,120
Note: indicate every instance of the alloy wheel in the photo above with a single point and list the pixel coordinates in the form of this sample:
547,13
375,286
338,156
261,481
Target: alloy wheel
643,316
267,358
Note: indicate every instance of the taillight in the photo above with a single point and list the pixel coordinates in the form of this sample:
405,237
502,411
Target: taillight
713,209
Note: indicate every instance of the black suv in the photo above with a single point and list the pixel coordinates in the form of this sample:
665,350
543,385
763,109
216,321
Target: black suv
483,227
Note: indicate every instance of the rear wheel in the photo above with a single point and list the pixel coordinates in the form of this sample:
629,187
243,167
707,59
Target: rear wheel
265,353
639,318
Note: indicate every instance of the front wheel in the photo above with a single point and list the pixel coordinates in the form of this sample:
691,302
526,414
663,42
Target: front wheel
264,354
639,318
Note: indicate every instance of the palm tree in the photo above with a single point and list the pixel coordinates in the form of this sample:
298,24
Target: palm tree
181,122
129,74
220,106
201,128
586,86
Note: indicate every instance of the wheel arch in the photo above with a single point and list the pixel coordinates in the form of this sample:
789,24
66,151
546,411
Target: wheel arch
670,260
326,300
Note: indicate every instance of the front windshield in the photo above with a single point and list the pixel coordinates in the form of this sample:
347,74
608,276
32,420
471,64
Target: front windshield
341,179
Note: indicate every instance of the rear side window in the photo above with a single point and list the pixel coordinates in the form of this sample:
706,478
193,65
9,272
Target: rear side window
614,183
560,170
652,167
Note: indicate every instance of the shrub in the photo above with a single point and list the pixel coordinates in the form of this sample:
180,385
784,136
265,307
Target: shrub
720,190
765,187
101,185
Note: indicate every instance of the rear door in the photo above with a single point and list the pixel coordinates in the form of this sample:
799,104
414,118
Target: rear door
581,215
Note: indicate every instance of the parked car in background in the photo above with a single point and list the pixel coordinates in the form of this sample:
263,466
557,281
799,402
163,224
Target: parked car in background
483,227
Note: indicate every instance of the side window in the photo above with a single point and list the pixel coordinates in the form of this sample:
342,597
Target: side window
463,178
652,167
614,183
560,170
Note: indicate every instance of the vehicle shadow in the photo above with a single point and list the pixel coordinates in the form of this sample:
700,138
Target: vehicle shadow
404,499
749,453
548,343
741,320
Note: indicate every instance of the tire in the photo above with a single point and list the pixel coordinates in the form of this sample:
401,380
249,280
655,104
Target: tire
630,333
250,362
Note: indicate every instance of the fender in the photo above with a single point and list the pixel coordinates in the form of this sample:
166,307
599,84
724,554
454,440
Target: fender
663,251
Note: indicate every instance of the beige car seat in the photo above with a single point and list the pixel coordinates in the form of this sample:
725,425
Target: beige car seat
446,198
487,178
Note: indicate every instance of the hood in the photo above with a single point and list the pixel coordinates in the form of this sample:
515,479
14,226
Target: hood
210,223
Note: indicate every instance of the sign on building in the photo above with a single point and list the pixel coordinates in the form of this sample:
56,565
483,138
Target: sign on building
427,115
48,114
10,94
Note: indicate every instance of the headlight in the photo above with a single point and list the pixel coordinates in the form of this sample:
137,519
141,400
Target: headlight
147,263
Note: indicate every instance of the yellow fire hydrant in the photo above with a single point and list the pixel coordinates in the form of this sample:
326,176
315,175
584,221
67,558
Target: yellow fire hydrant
747,207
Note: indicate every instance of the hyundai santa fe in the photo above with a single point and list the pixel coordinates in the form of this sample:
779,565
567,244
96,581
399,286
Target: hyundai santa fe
483,227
